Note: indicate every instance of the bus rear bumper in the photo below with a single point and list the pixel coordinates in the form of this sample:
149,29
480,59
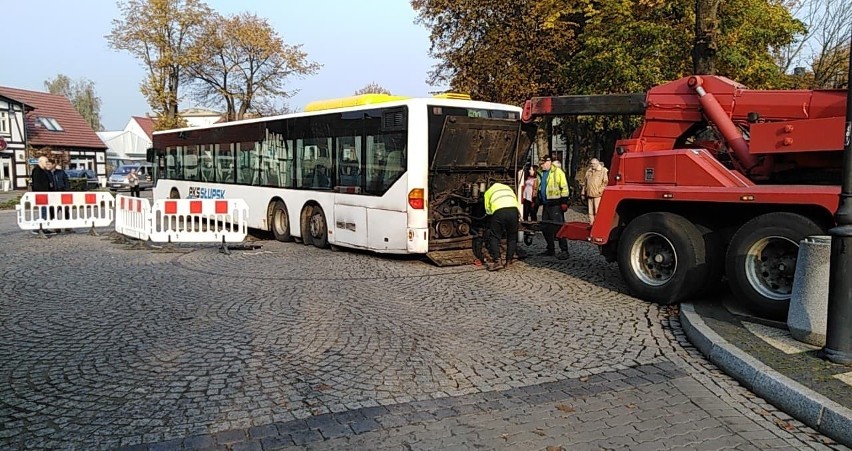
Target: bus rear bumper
418,241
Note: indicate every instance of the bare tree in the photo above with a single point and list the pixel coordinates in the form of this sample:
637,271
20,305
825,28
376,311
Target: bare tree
241,58
823,50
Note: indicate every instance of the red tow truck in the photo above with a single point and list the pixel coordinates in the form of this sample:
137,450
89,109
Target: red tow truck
719,180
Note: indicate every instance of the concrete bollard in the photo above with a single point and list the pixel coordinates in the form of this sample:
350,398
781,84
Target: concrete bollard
806,318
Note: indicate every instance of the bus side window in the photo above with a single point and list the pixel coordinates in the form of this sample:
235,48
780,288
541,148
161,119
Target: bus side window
322,173
393,167
349,169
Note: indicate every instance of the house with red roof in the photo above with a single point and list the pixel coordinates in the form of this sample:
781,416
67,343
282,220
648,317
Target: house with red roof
40,120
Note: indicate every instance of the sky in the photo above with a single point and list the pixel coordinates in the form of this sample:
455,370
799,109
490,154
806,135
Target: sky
356,42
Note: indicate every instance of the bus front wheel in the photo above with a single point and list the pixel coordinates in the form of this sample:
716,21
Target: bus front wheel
279,221
318,228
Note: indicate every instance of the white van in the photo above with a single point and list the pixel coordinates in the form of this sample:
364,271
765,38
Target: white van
118,179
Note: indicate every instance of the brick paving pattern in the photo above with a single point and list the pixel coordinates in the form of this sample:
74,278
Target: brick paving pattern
104,346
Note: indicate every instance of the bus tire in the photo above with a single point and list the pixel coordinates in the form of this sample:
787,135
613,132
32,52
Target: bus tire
761,261
318,228
279,221
661,257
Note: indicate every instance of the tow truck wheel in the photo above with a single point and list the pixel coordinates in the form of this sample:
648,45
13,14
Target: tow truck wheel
661,257
761,261
279,221
318,228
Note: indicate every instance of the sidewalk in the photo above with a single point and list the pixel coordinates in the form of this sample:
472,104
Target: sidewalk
763,357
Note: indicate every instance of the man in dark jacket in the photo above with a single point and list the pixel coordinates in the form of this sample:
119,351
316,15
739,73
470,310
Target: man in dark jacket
40,176
60,178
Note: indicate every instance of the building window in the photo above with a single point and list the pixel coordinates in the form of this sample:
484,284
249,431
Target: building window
4,123
50,124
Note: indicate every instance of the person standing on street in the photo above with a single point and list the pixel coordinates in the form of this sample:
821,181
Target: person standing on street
596,179
529,196
553,195
41,182
60,183
40,178
133,181
501,204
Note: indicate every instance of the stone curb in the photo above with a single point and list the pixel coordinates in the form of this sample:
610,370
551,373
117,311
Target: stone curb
798,401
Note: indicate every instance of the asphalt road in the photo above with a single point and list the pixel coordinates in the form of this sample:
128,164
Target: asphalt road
105,344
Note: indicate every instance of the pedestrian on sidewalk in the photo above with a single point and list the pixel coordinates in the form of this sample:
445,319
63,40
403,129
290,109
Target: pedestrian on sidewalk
553,196
594,182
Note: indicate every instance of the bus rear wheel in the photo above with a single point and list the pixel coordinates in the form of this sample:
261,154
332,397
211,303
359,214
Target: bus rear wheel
661,257
318,228
279,221
761,261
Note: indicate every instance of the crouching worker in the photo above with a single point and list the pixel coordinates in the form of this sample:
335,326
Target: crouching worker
501,205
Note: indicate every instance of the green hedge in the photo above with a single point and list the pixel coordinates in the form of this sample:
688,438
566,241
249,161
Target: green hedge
78,184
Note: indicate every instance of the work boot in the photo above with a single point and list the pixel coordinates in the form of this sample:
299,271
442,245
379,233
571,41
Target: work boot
492,265
563,255
548,253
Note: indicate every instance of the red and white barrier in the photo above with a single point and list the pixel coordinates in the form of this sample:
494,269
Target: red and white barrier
199,220
71,210
133,217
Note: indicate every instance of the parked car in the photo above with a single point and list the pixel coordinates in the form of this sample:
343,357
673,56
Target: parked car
77,176
118,179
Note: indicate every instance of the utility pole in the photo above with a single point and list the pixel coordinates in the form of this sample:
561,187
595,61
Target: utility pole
838,337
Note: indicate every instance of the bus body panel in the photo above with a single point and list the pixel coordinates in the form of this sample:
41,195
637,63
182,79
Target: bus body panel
350,225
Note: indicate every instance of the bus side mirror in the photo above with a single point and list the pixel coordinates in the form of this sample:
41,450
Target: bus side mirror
149,155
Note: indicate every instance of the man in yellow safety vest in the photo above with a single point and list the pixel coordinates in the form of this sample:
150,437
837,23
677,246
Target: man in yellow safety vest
501,204
553,195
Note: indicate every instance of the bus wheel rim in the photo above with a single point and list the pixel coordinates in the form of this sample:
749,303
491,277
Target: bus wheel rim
316,226
770,265
653,259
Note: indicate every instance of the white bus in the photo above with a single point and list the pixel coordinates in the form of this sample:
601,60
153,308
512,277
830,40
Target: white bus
376,172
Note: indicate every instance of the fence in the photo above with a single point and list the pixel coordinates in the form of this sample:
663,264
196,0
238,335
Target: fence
70,210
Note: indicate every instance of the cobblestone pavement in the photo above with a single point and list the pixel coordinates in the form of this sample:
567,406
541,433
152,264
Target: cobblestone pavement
105,345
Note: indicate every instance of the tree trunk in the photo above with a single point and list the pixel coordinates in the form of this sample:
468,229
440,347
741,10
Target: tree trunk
706,28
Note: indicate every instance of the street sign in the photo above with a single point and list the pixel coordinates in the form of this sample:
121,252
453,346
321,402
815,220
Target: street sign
32,161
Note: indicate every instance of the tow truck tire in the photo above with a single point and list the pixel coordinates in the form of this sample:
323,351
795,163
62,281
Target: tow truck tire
661,257
318,228
761,261
279,221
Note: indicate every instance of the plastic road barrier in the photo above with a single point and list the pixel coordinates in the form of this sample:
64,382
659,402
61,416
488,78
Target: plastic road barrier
133,217
199,220
71,210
